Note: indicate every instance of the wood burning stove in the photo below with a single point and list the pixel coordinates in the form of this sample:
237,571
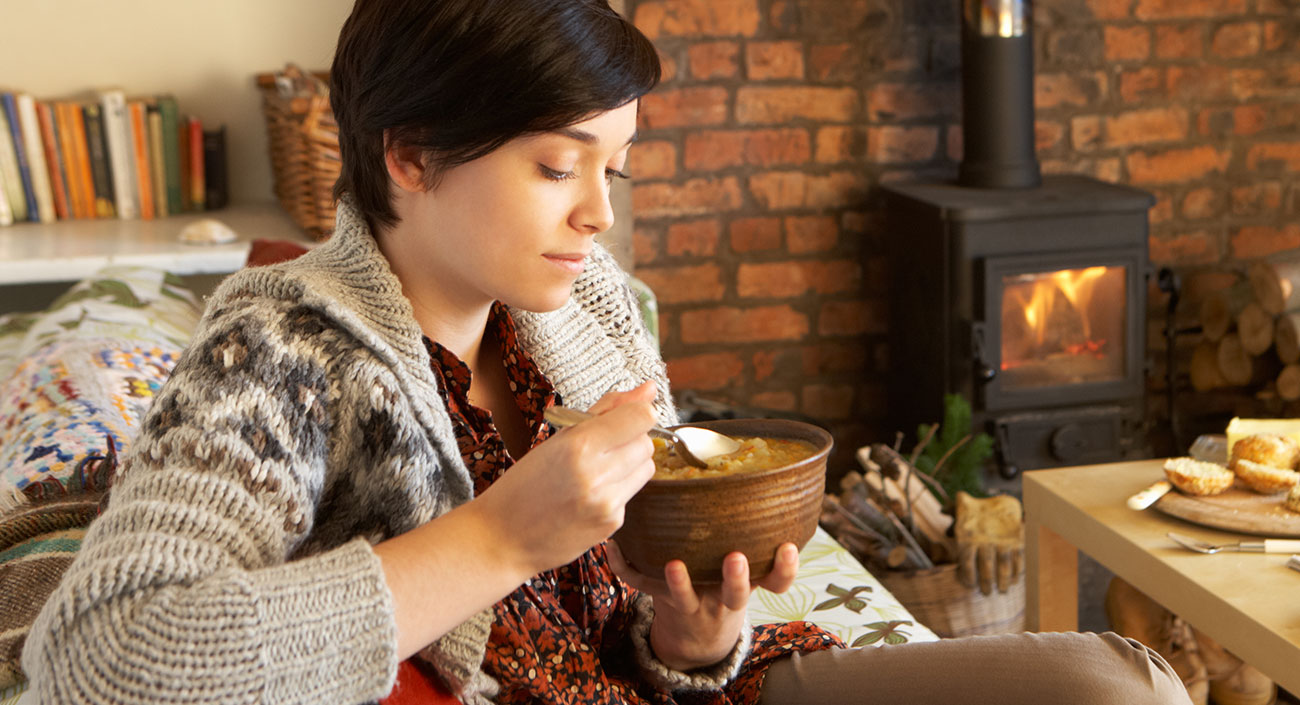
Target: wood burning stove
1025,294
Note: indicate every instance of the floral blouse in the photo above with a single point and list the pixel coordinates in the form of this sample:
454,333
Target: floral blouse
560,637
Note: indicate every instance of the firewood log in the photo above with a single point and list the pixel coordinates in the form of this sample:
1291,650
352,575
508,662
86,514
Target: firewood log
1241,369
1287,337
1288,382
1276,283
1219,309
1205,367
1255,326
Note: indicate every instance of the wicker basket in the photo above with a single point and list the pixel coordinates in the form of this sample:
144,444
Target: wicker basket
304,145
950,609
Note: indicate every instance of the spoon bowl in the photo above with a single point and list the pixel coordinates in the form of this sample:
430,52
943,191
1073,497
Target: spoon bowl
694,444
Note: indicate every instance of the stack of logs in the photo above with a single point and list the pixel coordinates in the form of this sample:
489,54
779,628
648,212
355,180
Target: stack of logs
1243,323
886,515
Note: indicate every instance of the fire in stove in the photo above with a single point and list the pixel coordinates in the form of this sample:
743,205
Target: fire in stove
1063,327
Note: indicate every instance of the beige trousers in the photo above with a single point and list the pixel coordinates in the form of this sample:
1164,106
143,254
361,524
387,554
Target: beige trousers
1006,669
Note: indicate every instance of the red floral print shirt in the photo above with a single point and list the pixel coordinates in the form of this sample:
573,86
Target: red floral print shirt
561,636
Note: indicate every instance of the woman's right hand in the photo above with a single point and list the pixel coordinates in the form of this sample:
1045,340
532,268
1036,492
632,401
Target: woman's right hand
568,493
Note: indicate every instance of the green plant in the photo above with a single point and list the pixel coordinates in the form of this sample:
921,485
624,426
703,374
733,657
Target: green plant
952,454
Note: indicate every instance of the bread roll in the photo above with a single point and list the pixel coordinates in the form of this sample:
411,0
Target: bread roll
1264,479
1293,499
1198,478
1271,449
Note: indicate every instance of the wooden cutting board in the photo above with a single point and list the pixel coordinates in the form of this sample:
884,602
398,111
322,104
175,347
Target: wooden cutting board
1237,509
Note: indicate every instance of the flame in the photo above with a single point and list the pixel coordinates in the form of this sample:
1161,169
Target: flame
1077,286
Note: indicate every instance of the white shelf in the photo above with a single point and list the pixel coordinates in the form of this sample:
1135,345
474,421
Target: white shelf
69,250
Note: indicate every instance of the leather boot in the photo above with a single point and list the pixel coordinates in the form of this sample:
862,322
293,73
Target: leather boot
1136,616
1232,682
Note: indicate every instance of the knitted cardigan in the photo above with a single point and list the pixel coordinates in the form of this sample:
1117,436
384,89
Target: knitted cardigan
302,425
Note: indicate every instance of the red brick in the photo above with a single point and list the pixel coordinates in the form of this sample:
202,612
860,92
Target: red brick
910,101
1274,156
1146,83
714,60
752,234
832,62
1177,165
1109,169
1280,36
696,237
1127,43
783,15
837,144
1163,210
1079,90
1262,240
697,18
694,197
1200,247
838,189
792,279
652,159
1234,41
1201,203
645,244
1274,7
729,324
1176,41
953,140
1048,134
1257,199
1110,9
1085,132
1180,9
780,362
766,105
902,145
774,400
718,149
707,371
779,190
1206,83
1147,126
810,233
686,284
832,358
667,67
828,401
683,107
765,61
852,317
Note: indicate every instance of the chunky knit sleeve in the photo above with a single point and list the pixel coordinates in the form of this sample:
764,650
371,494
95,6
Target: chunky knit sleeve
183,590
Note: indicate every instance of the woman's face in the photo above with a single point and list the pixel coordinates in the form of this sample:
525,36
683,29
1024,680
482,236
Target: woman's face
517,225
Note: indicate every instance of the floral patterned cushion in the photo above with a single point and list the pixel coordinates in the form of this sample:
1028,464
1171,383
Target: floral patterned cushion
835,592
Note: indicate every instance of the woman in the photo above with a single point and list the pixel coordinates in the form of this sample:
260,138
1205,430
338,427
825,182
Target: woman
348,473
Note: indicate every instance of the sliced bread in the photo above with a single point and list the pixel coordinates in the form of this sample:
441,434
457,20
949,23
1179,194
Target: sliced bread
1265,479
1196,477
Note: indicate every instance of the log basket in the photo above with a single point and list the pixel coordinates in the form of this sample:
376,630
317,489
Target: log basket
303,140
936,598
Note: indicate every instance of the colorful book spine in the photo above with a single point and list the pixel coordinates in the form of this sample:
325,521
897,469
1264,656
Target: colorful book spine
53,160
22,191
68,151
140,148
183,144
81,160
170,118
100,175
117,139
13,182
31,131
197,190
157,161
215,188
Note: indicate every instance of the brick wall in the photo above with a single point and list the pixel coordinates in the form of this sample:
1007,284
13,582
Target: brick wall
757,221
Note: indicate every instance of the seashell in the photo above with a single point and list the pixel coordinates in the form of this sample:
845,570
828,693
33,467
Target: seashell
207,231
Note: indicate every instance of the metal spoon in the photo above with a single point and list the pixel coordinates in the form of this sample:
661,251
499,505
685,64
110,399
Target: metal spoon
1265,546
696,445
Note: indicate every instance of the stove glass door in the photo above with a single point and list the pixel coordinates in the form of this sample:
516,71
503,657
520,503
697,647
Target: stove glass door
1063,327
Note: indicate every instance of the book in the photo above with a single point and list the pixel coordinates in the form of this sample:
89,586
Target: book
6,213
100,179
170,121
53,159
68,153
183,145
76,155
117,140
20,154
140,151
215,189
15,179
157,160
32,144
197,189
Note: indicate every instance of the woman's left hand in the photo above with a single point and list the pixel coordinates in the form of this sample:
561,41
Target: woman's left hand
694,626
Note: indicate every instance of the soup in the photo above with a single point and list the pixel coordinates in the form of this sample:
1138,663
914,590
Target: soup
755,454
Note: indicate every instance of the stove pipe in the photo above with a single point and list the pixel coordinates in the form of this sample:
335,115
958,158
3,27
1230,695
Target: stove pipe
997,84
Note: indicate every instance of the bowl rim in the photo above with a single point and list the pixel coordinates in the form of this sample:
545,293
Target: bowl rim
823,450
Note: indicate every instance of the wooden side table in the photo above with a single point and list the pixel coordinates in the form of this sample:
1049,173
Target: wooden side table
1248,602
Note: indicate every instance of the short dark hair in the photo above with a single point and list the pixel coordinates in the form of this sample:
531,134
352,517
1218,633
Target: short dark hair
460,78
